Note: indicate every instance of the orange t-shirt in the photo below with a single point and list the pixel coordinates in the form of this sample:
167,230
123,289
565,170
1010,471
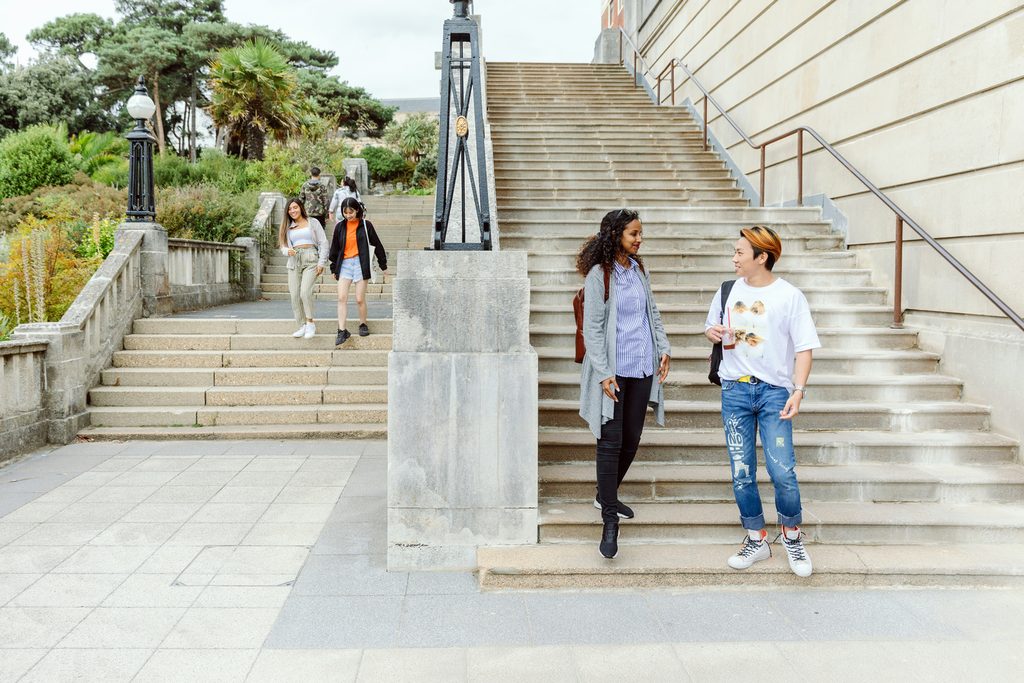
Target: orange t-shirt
351,247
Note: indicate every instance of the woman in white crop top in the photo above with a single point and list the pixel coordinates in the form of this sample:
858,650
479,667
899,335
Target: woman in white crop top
303,241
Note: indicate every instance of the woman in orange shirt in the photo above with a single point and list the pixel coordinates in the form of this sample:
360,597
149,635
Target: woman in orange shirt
350,262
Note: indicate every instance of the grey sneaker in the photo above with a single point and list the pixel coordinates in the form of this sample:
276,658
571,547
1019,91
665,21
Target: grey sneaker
342,337
752,551
364,330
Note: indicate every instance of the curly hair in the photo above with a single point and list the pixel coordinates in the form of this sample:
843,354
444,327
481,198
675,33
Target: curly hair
603,247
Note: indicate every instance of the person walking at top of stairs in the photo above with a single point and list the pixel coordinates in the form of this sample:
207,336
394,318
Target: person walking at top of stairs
767,338
354,243
314,195
625,345
303,241
348,189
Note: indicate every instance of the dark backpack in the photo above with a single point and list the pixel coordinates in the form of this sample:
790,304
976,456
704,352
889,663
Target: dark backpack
577,309
715,359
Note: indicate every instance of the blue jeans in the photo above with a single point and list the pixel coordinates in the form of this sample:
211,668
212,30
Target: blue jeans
746,410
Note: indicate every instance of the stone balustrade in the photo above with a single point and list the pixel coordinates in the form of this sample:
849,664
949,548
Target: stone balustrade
204,274
22,412
82,343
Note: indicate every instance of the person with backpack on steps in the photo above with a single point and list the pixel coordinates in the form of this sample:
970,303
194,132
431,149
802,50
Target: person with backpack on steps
314,196
767,337
625,345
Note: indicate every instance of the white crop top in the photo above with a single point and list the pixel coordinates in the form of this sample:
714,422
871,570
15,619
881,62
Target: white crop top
300,236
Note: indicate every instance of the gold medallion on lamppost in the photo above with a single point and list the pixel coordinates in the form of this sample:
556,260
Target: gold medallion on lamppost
462,126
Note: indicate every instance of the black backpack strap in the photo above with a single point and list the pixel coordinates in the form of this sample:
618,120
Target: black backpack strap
726,291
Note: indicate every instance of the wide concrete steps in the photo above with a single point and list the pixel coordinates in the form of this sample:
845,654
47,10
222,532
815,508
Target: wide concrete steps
210,416
238,396
646,565
865,338
714,276
679,243
706,446
823,522
249,342
839,387
362,431
670,296
861,482
302,356
845,415
244,377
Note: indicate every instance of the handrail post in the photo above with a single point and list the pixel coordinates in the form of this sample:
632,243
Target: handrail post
636,83
763,147
672,81
659,90
897,298
800,168
705,123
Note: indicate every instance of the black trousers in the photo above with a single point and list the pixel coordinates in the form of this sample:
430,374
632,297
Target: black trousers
620,437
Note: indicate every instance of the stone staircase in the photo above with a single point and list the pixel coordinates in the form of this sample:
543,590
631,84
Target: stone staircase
235,378
402,222
902,481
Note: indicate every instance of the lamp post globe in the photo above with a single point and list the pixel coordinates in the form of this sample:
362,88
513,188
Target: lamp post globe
141,196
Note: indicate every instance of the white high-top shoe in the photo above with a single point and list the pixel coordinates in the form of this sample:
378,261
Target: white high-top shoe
799,560
755,548
300,332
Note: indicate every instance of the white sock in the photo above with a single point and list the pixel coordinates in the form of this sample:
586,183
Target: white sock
756,534
792,533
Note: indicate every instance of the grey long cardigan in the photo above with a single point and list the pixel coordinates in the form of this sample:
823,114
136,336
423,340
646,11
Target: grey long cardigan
599,363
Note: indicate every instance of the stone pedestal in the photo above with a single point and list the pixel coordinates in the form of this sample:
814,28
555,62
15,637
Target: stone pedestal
251,272
462,409
606,47
156,281
357,170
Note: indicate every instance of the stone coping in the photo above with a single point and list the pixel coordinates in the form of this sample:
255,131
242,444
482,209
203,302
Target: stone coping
19,346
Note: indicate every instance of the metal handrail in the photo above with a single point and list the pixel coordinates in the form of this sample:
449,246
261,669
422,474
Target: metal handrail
902,217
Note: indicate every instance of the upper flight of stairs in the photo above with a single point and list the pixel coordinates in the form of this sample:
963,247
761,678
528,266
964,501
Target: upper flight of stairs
902,481
206,378
401,222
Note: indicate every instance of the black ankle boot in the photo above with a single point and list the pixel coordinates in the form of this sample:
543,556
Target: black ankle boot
610,539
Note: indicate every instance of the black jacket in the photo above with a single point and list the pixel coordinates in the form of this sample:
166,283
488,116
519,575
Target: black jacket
338,247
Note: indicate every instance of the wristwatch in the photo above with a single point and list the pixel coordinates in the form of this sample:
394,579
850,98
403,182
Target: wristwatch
802,390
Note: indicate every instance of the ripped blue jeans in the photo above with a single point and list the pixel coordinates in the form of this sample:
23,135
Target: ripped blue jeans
746,410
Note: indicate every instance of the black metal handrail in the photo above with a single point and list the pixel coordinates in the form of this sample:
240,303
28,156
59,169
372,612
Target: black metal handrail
902,217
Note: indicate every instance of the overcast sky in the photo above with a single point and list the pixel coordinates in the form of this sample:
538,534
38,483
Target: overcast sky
385,46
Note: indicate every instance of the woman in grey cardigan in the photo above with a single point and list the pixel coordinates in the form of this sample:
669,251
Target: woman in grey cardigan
303,241
626,344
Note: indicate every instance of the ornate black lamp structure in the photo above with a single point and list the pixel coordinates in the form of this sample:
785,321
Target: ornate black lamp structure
141,203
460,87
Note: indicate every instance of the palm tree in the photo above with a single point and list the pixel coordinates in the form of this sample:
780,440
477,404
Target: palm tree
253,88
415,137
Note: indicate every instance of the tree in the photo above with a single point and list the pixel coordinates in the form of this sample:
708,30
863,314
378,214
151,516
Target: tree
146,49
415,137
350,108
7,50
73,35
253,94
54,88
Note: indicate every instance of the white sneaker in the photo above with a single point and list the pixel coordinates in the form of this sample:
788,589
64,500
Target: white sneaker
799,560
310,330
299,332
753,550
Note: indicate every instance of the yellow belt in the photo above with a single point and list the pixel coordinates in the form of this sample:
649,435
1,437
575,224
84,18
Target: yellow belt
745,379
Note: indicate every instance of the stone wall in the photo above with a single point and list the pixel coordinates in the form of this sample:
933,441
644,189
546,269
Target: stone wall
205,274
23,421
924,96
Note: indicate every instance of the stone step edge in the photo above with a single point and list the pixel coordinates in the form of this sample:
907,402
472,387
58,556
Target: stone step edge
820,380
647,565
368,430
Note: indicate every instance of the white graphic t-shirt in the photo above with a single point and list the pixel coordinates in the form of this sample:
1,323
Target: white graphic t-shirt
771,325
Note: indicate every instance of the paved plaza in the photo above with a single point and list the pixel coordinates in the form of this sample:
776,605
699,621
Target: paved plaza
264,561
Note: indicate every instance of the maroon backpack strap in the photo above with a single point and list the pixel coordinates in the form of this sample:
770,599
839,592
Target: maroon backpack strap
607,276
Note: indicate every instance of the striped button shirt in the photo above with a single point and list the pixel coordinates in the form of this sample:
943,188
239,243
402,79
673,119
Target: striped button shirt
634,344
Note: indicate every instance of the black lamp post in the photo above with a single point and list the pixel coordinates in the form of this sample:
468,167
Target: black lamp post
461,7
141,203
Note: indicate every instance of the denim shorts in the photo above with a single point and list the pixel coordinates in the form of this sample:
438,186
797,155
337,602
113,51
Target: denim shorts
351,270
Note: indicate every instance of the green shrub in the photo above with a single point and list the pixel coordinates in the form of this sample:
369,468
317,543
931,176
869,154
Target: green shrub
92,151
202,212
425,175
77,201
384,165
113,174
7,325
33,158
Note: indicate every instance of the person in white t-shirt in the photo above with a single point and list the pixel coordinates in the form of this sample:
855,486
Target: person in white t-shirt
768,337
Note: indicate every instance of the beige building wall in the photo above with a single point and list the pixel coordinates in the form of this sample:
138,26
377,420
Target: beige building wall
926,97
